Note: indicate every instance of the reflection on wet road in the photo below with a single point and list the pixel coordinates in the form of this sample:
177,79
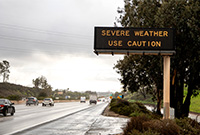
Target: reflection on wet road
86,122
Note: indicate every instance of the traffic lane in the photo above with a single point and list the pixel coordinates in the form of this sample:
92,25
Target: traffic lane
78,123
23,110
36,115
86,122
26,111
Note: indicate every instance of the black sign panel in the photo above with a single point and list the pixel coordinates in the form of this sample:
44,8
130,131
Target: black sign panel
118,40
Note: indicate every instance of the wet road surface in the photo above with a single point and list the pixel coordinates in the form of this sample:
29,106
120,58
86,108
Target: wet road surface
30,116
63,119
86,122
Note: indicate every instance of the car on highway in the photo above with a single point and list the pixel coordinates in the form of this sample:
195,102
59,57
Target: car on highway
48,101
83,99
6,107
32,100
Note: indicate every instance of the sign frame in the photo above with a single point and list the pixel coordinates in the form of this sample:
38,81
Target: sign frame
147,41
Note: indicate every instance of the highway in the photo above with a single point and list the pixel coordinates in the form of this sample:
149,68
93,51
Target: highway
63,118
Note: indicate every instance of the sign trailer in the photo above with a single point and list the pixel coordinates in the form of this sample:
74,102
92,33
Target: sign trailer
139,41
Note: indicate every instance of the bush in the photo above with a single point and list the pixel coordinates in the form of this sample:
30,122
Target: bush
41,98
136,123
123,107
42,94
14,97
135,114
148,132
126,110
188,126
144,124
142,108
164,127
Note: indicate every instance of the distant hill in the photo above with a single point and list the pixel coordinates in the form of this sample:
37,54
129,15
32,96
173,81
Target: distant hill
17,92
8,89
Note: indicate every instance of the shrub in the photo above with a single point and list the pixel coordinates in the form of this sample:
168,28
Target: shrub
148,132
42,94
164,127
135,114
14,97
156,116
135,123
120,106
144,122
126,110
119,103
41,98
142,107
123,107
145,125
188,126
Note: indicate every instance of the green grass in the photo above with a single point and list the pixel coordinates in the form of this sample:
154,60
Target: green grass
195,101
195,104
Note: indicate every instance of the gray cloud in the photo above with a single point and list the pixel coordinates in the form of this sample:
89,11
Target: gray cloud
35,32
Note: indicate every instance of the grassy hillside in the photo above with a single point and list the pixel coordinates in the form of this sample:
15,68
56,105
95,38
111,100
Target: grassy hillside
8,89
17,92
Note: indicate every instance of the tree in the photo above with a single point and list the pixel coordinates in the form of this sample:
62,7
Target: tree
4,70
36,82
184,17
138,76
43,94
41,82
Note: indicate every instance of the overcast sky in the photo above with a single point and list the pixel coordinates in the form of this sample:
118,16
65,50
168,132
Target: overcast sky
55,38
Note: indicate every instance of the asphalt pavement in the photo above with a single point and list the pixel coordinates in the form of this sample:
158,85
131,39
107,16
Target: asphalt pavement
87,121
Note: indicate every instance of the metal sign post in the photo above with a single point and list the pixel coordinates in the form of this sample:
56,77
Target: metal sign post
166,87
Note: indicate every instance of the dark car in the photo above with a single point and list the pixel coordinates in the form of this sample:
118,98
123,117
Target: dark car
6,107
32,100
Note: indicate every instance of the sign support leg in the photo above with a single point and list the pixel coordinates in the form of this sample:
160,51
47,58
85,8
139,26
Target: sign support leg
166,87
